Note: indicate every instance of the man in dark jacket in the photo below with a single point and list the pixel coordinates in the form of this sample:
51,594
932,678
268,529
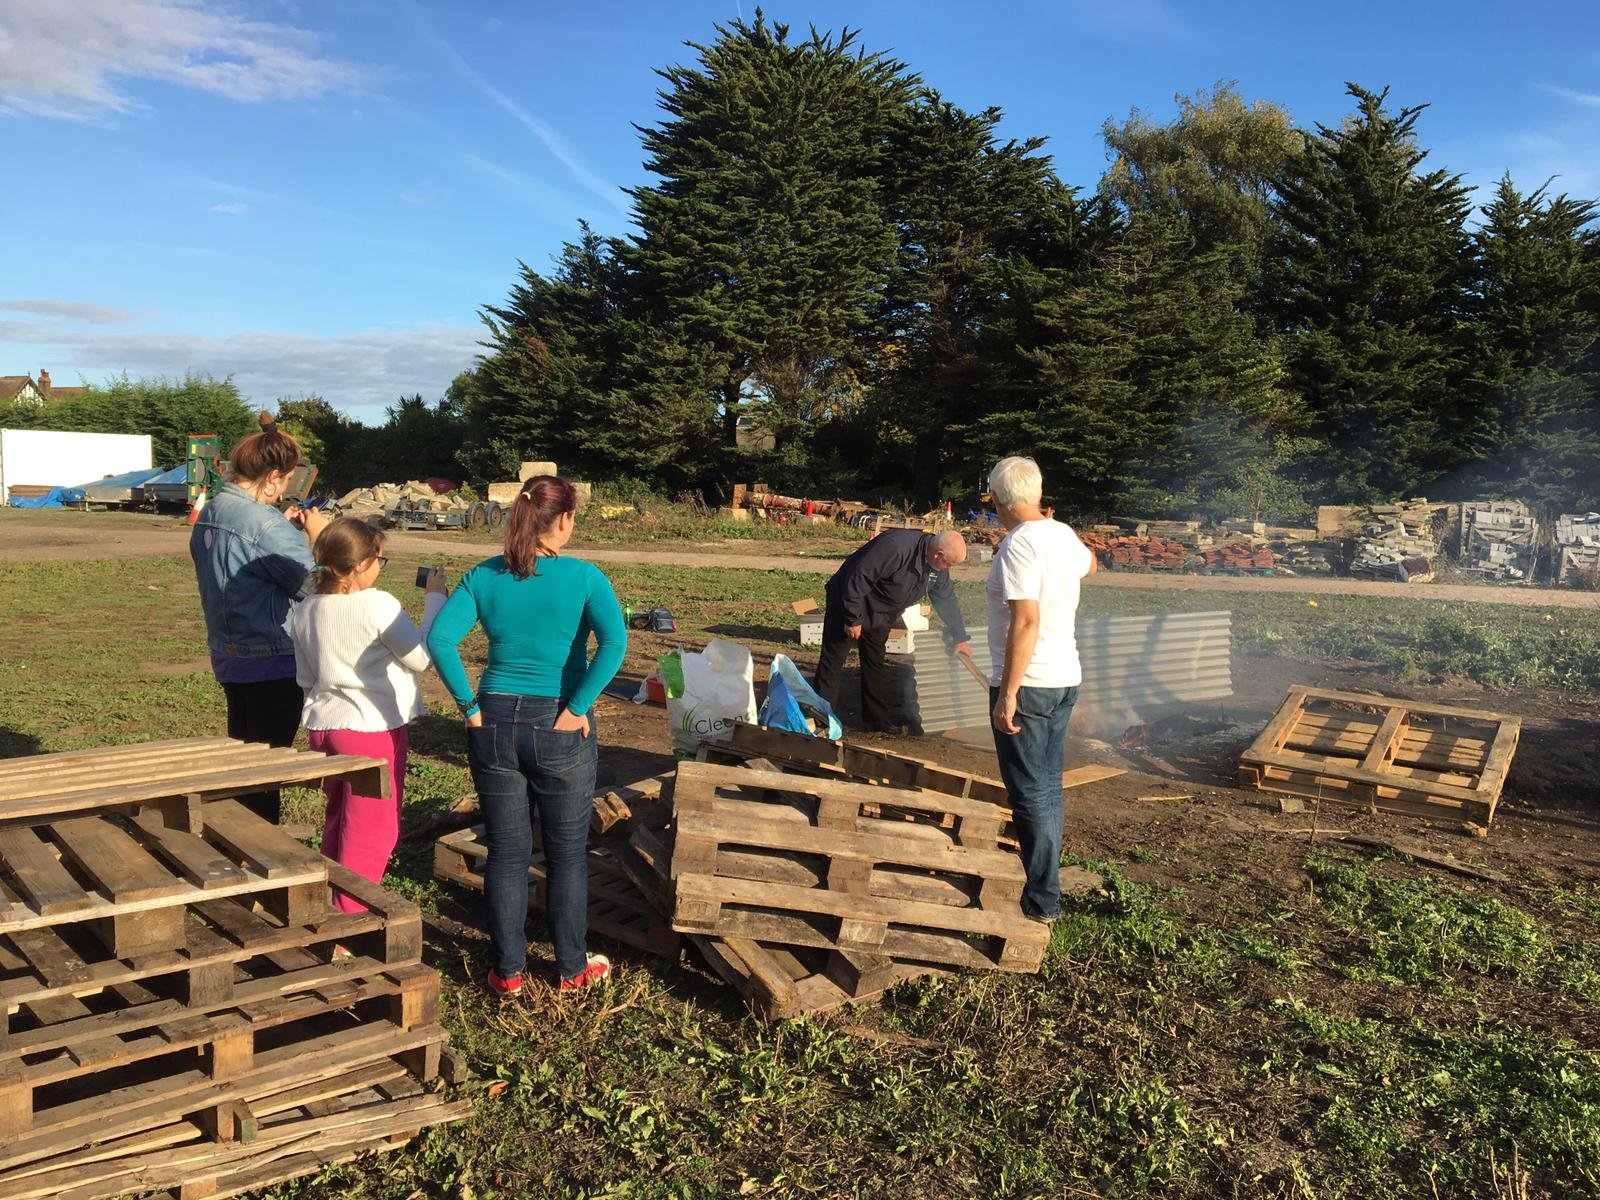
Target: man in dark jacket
866,596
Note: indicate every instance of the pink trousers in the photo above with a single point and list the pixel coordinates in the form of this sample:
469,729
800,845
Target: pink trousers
361,831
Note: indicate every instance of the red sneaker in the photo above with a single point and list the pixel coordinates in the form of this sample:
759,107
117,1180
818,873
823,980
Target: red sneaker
598,971
503,988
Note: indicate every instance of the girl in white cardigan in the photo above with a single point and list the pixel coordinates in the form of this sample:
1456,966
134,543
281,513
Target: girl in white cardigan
358,655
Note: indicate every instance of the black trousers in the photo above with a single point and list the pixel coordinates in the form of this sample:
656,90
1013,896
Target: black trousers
264,712
875,683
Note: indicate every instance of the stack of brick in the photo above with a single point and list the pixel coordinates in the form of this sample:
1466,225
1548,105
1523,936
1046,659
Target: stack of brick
1239,556
1142,553
181,1006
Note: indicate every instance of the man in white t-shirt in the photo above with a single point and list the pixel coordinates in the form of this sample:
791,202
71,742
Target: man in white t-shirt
1033,610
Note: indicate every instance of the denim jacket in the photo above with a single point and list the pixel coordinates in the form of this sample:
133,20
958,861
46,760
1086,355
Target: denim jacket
252,565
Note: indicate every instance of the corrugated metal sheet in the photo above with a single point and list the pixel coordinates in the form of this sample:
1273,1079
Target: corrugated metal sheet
1129,663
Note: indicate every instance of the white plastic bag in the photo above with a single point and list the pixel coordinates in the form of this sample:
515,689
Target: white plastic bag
707,692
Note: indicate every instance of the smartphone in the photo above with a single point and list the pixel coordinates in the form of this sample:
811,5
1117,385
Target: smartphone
422,576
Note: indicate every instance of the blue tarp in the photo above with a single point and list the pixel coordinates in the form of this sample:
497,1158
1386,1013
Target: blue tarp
56,497
128,479
176,475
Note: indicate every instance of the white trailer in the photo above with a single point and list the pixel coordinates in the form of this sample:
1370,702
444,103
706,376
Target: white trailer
53,458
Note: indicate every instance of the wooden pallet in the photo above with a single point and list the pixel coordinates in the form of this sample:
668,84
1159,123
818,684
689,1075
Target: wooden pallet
295,1133
779,982
769,856
53,979
139,1038
193,1090
175,775
131,881
1371,752
616,908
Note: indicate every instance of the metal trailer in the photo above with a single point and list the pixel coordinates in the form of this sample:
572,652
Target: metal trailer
117,491
432,514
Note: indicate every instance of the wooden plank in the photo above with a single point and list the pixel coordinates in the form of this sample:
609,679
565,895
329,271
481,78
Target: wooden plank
1360,775
1089,773
848,905
50,889
47,764
1479,716
264,847
1378,754
364,774
198,861
834,789
116,863
1277,729
134,772
729,826
1427,857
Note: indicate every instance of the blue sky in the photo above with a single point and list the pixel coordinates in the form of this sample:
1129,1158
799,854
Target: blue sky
318,196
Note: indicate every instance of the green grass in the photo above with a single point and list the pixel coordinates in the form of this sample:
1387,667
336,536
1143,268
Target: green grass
1217,1024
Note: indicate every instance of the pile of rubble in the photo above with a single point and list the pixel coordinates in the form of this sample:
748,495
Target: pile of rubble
383,498
1499,538
1578,549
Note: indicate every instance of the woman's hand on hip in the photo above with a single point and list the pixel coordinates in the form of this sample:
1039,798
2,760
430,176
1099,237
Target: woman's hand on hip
567,723
475,721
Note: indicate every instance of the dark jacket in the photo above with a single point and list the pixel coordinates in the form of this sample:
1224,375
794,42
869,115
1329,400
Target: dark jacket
888,575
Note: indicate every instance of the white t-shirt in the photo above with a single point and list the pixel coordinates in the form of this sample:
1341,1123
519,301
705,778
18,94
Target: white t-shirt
358,656
1043,561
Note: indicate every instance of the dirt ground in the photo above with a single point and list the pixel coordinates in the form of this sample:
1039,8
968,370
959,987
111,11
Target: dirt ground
64,535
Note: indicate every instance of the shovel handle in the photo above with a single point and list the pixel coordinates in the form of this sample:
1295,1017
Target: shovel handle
966,661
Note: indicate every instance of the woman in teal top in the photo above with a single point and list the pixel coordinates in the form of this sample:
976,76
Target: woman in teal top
531,739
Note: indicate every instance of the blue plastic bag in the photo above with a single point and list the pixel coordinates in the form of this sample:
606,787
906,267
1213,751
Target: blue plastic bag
790,699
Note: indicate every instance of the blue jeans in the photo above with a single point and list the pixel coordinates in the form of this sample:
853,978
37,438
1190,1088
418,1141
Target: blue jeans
1030,764
520,762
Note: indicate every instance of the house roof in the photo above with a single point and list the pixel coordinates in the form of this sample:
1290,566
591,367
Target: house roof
11,385
65,393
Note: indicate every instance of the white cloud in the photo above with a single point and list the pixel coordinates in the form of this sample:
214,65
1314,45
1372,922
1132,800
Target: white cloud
72,310
67,58
359,372
552,141
1573,96
235,209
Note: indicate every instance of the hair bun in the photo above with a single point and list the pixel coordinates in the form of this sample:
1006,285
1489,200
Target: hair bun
267,420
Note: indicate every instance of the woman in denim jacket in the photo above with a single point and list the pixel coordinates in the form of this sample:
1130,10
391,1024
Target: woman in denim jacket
252,563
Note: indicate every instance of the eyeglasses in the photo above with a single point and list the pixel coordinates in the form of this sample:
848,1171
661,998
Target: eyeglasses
383,561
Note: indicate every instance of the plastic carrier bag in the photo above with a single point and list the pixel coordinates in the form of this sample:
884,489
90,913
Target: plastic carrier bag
791,703
707,692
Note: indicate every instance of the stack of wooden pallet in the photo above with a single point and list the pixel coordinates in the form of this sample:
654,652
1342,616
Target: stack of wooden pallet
808,874
181,1007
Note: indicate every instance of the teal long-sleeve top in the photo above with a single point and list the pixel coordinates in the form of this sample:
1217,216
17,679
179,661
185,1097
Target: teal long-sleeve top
538,631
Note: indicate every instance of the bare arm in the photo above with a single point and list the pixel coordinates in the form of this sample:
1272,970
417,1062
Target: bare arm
1021,637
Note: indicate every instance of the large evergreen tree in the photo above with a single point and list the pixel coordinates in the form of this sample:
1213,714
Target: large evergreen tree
1367,278
1538,411
765,241
963,204
579,373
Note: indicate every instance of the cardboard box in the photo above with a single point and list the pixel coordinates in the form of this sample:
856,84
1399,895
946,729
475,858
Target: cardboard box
913,620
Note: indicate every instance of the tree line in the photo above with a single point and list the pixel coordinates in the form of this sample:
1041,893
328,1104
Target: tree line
1243,316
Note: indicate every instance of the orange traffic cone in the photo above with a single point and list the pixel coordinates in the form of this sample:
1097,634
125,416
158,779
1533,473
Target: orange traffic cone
950,511
199,503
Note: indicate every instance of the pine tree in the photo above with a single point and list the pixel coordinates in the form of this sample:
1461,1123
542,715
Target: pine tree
1538,414
1367,278
579,373
765,242
962,203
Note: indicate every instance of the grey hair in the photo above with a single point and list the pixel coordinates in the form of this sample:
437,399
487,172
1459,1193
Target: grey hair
1016,480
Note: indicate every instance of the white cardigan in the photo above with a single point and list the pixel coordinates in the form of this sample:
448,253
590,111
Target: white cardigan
358,655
